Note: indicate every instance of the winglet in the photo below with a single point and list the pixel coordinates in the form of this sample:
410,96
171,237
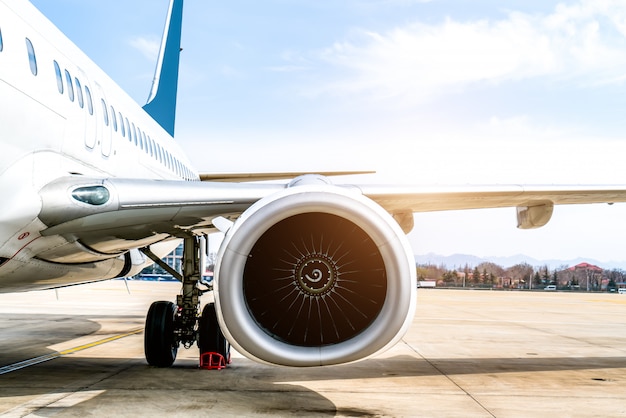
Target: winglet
162,101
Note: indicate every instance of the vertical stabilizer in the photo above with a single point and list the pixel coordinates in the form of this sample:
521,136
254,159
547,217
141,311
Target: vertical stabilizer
162,101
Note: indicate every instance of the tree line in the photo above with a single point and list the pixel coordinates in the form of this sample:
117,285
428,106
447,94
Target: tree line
522,276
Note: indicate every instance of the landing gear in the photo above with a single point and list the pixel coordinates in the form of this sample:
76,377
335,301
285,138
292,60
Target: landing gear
169,325
160,344
214,348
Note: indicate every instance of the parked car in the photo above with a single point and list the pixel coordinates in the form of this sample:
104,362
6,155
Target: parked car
550,287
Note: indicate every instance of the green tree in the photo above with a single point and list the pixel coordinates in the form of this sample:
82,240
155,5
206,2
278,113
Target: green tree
545,275
476,276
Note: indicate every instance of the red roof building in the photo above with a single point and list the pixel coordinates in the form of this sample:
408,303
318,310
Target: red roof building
585,266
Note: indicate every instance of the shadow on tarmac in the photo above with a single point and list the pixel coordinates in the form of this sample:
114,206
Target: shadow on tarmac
24,336
245,387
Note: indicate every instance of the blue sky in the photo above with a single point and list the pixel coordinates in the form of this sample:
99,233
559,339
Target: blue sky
441,91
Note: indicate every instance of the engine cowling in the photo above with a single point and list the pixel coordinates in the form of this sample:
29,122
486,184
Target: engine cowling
315,275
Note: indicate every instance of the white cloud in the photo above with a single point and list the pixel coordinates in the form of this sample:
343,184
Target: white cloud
584,42
149,48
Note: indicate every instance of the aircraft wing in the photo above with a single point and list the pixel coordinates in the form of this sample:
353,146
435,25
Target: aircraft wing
534,203
140,209
438,198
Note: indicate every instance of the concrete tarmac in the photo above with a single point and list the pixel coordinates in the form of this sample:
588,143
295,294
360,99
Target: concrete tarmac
468,354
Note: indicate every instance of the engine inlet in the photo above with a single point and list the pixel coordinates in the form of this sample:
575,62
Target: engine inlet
314,279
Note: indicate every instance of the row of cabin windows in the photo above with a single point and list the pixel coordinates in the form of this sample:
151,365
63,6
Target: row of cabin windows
143,141
127,129
78,94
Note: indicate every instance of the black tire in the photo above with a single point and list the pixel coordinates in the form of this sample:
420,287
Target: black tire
210,337
160,345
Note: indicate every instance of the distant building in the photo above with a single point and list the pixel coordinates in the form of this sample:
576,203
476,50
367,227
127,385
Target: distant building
584,276
586,266
175,258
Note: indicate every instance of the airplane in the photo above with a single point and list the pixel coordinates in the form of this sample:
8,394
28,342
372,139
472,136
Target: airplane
94,187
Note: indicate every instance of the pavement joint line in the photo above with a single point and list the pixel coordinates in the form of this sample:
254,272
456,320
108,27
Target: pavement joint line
33,407
51,356
434,366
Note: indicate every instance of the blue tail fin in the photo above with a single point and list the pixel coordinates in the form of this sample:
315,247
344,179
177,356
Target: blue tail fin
162,101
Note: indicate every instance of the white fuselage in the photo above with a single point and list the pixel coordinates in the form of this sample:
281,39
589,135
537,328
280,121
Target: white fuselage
60,115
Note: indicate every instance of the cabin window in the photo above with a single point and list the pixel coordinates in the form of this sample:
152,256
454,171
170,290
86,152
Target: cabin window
32,60
134,131
151,146
128,129
79,93
159,152
105,112
122,124
113,119
89,101
70,86
1,44
57,71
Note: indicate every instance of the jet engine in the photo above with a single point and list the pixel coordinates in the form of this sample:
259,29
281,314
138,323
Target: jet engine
314,275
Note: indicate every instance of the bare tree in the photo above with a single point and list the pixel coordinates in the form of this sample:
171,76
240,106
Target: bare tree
521,273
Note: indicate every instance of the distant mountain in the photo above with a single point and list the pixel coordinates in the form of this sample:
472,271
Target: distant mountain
460,260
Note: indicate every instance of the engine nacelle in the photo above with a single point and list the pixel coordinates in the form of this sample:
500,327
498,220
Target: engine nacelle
315,275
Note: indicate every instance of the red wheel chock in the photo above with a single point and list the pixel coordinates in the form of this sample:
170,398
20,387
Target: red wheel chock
212,361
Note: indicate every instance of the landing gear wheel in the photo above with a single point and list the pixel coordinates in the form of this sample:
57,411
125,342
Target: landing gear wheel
160,345
210,338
